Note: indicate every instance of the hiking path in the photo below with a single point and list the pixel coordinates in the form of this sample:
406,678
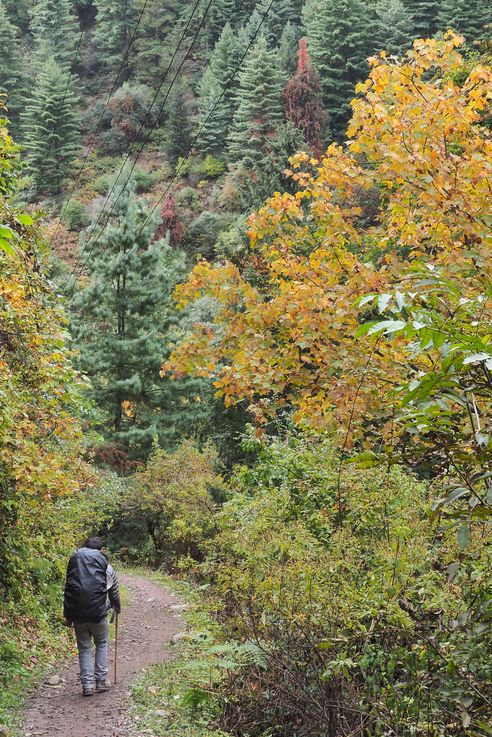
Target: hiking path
146,626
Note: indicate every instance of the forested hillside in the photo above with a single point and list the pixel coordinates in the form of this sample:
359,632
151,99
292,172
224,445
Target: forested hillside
245,304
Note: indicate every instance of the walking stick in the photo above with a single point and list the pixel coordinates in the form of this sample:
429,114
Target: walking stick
115,646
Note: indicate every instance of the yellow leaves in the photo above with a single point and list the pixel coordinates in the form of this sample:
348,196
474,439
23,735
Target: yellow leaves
413,182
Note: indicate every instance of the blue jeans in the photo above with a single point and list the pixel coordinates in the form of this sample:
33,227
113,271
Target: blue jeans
85,632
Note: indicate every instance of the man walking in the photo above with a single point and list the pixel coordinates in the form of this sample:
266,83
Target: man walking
90,581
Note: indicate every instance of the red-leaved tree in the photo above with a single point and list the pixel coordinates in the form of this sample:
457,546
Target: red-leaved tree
303,102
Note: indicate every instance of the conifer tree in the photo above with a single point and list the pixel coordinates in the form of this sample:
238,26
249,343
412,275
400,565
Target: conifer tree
340,35
54,29
303,103
221,13
287,50
394,27
152,48
224,60
11,77
425,16
277,17
468,17
115,21
50,129
179,126
122,320
244,10
214,116
259,110
18,12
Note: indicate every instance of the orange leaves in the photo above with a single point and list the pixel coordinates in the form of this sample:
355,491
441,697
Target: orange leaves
413,183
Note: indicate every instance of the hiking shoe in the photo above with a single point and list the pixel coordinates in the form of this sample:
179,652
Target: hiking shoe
87,689
102,686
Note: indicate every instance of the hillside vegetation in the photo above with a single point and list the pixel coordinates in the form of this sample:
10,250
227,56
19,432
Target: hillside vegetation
245,308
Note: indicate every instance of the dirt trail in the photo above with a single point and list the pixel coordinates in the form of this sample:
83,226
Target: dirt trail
145,627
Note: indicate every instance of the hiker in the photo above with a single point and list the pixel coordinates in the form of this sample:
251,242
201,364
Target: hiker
90,581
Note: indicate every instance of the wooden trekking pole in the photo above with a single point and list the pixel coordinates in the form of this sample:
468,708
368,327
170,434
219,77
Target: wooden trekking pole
115,646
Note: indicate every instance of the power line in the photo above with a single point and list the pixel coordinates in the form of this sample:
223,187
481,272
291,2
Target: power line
113,204
91,145
217,102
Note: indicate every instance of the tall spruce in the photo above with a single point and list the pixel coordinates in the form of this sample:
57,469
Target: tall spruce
115,22
468,17
425,16
179,129
277,17
11,76
341,37
303,101
152,48
287,50
214,116
50,128
54,30
259,110
221,13
394,27
123,318
224,61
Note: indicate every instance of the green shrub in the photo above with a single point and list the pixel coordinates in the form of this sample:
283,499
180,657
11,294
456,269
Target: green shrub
166,513
144,179
340,576
187,197
201,235
213,167
74,215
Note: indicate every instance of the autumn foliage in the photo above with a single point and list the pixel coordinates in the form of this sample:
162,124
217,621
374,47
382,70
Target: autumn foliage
303,101
410,188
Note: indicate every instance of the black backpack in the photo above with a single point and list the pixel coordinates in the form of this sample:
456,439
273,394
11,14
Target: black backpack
86,597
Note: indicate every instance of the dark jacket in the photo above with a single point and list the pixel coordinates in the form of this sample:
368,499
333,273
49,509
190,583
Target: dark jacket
86,587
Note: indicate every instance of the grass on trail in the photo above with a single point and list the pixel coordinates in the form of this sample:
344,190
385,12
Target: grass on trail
178,698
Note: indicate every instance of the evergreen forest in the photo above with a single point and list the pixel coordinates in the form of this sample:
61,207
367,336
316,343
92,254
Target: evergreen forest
245,336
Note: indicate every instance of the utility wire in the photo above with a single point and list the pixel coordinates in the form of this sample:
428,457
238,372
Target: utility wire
93,238
217,102
93,139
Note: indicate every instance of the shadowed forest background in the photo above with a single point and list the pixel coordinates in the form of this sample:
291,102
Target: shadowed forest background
245,304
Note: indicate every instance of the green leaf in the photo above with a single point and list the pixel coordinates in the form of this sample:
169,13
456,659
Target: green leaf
25,219
476,358
464,535
366,299
6,232
363,329
387,326
6,247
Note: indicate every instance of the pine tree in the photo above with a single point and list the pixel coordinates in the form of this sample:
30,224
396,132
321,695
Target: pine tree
224,61
277,17
19,12
221,13
54,29
152,48
287,50
115,22
303,103
11,77
268,174
259,110
122,320
178,127
50,129
214,116
424,14
394,27
244,10
468,18
340,36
